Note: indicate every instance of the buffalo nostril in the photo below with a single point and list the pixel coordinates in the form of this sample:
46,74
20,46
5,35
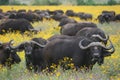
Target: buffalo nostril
96,55
7,48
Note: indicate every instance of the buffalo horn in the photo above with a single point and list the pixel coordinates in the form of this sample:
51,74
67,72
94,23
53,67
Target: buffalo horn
38,44
12,47
103,39
95,44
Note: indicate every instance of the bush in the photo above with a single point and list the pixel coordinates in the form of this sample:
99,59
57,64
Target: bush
4,2
54,2
41,2
15,3
90,2
111,2
80,2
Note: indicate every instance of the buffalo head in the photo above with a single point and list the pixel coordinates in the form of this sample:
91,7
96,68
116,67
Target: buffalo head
8,56
97,50
27,46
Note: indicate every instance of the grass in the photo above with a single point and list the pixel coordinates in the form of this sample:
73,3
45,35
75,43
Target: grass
110,70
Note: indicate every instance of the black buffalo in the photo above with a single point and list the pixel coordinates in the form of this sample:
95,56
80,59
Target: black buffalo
8,56
66,21
106,17
58,12
33,53
85,16
109,12
31,17
58,17
12,25
72,28
70,13
83,52
117,17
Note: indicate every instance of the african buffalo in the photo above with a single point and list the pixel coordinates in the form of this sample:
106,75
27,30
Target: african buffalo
117,17
72,28
82,51
8,56
70,13
33,53
109,12
12,25
31,17
66,20
106,16
85,16
58,17
58,12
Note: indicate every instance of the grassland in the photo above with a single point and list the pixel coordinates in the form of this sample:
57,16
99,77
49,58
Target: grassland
110,70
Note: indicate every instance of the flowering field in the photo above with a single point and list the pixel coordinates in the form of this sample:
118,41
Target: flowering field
110,70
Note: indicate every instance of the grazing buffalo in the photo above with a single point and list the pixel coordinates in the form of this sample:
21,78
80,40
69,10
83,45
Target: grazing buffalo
33,53
70,13
58,17
31,17
82,51
85,16
109,12
106,17
8,56
58,12
11,25
117,17
72,28
66,21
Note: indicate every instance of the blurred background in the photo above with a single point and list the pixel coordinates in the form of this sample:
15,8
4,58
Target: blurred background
59,2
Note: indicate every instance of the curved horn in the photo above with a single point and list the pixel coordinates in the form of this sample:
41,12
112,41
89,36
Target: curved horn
95,44
38,44
103,39
12,47
89,45
110,46
112,51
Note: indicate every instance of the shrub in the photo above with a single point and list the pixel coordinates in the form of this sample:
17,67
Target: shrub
90,2
111,2
40,2
4,2
54,2
80,2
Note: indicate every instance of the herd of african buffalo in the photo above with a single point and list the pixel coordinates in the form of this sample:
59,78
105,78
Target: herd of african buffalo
83,42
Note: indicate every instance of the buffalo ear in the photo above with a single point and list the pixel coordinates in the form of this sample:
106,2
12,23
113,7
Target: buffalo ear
21,47
15,57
